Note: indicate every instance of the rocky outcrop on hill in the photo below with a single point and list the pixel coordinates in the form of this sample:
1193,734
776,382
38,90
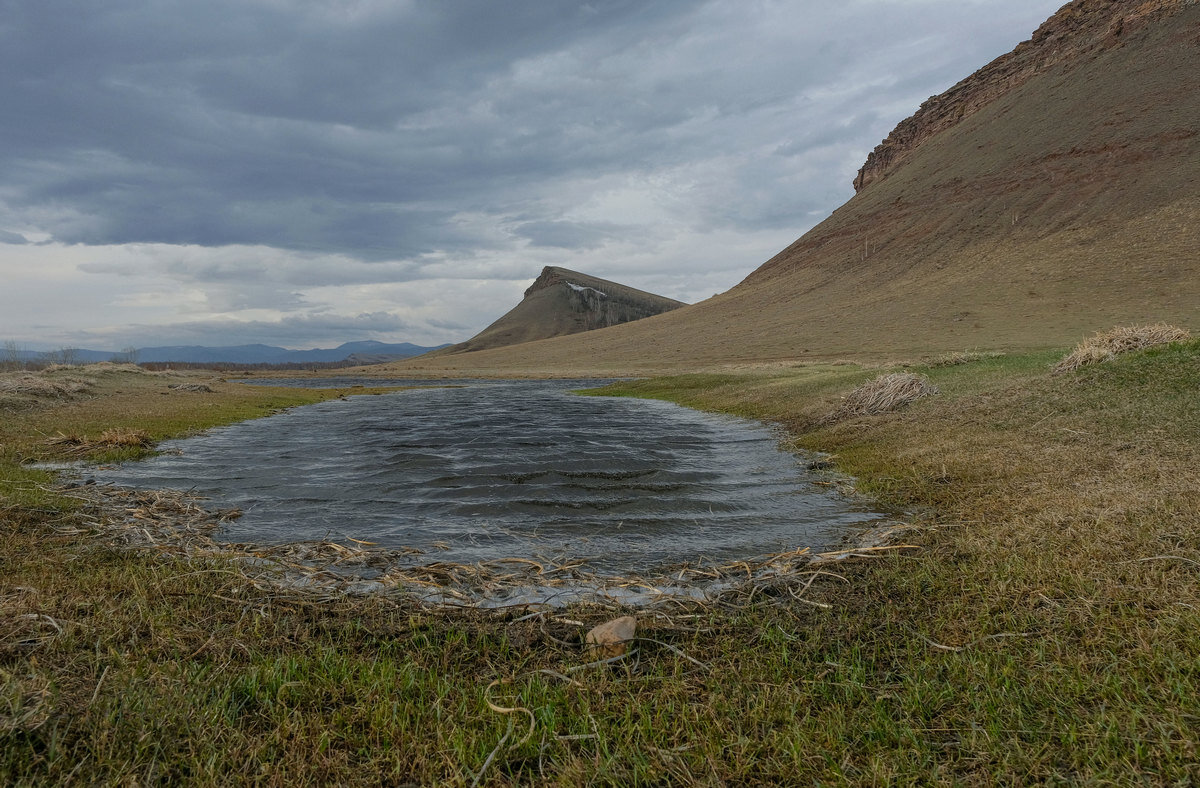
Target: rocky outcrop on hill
1078,29
1050,196
563,302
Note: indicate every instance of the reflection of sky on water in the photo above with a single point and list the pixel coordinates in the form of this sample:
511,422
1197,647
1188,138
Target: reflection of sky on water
508,469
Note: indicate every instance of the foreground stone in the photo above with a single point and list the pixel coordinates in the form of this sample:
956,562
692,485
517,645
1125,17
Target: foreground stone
612,638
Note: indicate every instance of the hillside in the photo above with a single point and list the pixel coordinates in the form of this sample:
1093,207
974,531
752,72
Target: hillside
561,302
1050,194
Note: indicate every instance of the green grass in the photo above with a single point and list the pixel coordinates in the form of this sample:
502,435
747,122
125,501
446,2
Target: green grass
1047,631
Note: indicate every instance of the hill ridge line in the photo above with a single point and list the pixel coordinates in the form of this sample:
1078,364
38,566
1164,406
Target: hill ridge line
1077,29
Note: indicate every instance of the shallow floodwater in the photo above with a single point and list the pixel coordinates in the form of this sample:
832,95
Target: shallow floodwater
508,469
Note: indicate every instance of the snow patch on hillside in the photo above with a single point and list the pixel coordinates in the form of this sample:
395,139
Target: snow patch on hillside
581,288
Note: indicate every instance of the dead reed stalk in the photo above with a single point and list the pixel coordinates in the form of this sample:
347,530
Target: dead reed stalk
884,394
1106,345
126,437
957,358
75,445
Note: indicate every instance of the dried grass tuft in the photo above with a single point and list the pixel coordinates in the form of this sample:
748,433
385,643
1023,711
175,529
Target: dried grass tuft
126,437
1107,345
31,385
114,366
76,445
883,395
962,357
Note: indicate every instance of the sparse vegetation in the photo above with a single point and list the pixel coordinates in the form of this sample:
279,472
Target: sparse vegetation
64,356
11,356
128,355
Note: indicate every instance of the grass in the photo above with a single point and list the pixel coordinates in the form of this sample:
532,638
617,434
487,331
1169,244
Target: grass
1047,632
1063,550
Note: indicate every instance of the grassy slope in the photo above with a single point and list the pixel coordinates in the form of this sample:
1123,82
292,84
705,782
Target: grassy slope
1047,630
1066,206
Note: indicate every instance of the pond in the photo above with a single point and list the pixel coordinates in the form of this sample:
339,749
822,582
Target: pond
501,469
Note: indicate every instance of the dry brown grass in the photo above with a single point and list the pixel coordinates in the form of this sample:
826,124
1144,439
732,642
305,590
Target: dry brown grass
28,390
884,394
955,358
34,385
74,445
125,437
112,366
1106,345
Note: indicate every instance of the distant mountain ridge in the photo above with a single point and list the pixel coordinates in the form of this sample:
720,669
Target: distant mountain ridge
562,302
369,351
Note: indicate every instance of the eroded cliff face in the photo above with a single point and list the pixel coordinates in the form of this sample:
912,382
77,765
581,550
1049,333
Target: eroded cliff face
550,277
1078,29
597,303
561,302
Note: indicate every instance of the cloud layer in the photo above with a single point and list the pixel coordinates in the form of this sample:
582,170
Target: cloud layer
295,170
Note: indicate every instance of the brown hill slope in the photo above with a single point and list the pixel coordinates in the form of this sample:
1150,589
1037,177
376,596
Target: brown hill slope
1053,193
561,302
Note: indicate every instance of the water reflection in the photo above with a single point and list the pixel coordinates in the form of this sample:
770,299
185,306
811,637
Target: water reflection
496,469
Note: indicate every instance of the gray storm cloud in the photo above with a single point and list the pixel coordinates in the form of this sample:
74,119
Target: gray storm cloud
404,141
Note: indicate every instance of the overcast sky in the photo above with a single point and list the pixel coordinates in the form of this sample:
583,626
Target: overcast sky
308,172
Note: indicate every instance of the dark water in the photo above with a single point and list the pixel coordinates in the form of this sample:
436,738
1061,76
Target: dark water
507,469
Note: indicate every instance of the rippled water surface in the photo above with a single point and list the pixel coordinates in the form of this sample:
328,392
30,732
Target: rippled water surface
504,469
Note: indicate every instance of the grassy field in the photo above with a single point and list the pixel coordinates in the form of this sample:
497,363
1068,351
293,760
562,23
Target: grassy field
1047,629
